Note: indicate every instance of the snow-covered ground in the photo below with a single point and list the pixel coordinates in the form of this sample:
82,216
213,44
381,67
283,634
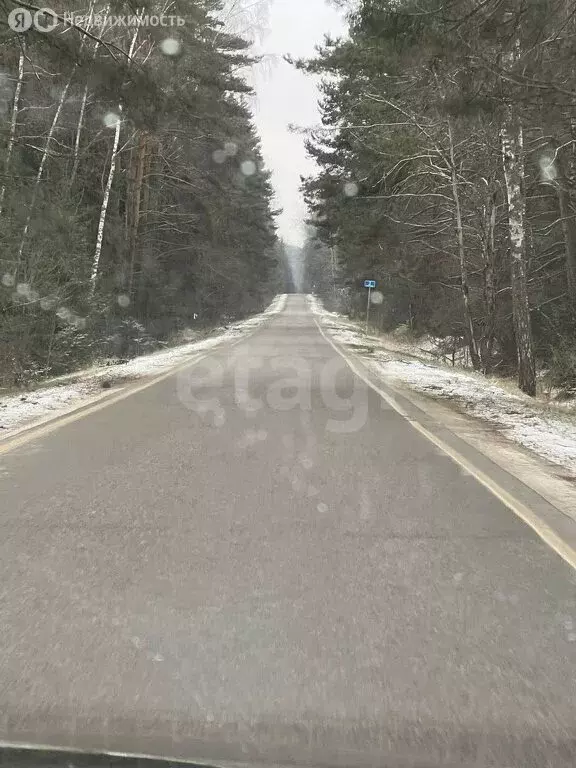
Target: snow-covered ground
541,427
69,391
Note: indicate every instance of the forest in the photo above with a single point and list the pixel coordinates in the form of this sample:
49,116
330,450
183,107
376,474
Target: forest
134,202
447,172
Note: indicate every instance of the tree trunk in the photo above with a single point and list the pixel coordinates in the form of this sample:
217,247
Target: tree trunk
128,204
513,162
104,206
144,255
468,324
106,195
488,255
80,123
134,203
78,134
13,122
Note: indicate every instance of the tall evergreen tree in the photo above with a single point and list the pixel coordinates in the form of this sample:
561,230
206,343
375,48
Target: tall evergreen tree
446,171
134,197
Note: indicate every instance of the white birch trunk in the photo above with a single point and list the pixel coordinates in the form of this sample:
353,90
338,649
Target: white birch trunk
106,196
468,324
512,139
104,207
513,162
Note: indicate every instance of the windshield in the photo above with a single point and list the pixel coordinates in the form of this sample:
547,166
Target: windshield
288,382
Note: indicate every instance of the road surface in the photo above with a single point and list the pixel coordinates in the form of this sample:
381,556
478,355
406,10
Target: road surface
258,560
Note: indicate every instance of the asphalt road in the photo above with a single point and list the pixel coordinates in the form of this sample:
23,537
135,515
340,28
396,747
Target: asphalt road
259,560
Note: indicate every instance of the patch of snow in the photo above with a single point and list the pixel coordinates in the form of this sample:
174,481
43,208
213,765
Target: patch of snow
544,433
426,347
317,309
20,409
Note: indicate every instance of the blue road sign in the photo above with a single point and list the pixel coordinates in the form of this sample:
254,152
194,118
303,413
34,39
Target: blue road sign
369,283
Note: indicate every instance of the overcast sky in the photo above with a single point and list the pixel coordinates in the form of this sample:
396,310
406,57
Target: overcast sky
285,96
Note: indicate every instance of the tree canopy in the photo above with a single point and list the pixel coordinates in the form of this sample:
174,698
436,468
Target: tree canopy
447,159
134,199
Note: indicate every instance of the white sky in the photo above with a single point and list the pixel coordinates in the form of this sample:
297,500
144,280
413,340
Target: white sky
286,96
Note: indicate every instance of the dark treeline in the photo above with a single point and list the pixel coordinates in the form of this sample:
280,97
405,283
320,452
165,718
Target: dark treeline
133,199
448,173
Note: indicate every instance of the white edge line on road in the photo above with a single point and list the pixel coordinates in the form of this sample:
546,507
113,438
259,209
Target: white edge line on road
544,531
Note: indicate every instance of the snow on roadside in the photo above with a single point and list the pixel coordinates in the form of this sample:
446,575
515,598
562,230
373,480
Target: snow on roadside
17,410
518,417
545,433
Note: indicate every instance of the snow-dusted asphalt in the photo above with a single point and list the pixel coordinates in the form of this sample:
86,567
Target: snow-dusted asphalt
259,560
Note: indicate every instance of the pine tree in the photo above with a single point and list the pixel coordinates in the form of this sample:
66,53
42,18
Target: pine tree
141,205
453,127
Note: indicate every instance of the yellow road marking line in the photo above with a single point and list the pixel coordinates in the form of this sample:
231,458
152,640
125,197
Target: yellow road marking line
544,531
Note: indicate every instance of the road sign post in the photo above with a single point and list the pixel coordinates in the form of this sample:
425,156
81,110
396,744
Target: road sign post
369,284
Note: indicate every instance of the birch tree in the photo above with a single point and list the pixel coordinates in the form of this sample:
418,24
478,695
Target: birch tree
514,174
116,122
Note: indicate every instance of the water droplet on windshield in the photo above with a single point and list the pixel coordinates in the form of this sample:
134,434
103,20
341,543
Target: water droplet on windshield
170,46
111,119
547,167
64,313
248,168
219,156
